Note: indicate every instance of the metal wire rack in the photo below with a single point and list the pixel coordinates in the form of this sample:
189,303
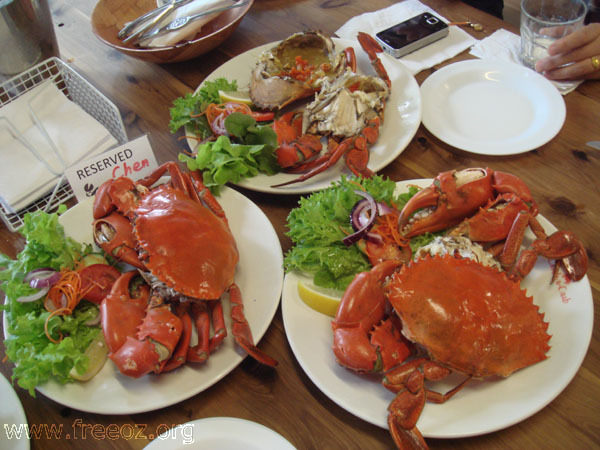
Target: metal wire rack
78,90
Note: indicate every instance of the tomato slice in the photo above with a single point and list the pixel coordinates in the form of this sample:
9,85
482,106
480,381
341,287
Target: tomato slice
262,116
97,281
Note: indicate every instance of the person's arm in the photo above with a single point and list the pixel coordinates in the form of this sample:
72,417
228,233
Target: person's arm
576,56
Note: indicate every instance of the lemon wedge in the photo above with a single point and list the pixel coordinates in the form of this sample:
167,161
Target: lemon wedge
97,353
236,96
323,300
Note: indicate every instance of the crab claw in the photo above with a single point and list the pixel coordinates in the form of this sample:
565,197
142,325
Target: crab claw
362,340
114,234
454,195
123,310
157,337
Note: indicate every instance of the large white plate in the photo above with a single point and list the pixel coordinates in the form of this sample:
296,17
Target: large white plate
491,107
402,118
110,392
221,433
482,406
13,436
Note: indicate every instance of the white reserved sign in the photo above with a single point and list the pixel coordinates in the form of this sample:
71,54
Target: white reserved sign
135,159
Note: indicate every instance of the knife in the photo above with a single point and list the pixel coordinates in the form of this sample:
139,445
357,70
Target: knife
594,144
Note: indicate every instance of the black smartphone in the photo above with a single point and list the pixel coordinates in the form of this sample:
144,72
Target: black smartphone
412,34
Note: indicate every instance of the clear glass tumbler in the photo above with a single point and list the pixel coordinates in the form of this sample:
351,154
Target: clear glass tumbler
545,21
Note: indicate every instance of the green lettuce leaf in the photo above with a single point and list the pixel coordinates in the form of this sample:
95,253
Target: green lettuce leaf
320,222
36,358
187,110
223,161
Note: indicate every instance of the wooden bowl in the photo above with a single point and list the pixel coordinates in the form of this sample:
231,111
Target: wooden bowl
110,16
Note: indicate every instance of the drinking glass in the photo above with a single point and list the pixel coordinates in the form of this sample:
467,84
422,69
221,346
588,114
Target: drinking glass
545,21
27,35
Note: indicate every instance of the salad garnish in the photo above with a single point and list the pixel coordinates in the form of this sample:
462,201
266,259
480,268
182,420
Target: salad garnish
28,324
235,141
322,222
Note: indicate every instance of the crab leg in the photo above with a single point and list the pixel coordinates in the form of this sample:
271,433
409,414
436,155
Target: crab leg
562,246
408,381
179,355
355,149
218,321
199,353
201,193
241,329
372,47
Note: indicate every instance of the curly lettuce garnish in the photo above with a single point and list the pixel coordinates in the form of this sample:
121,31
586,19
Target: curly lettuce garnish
36,358
320,222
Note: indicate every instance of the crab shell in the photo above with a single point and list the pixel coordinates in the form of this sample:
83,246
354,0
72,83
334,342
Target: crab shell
468,317
185,244
269,90
345,105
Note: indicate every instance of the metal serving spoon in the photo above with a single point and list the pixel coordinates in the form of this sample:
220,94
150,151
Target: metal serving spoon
180,22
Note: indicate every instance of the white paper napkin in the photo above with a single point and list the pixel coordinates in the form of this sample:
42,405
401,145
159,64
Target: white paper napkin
35,120
457,40
506,46
187,32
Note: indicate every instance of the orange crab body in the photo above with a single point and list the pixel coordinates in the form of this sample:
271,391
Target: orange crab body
172,227
468,317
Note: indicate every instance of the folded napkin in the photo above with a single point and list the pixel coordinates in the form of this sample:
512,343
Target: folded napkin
506,46
457,40
187,32
41,134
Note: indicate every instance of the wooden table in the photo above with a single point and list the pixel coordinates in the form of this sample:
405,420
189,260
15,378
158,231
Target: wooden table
563,176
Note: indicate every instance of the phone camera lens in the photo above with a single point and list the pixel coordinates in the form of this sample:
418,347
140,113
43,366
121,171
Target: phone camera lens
432,21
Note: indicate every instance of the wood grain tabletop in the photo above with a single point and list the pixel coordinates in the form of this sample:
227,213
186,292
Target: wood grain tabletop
562,175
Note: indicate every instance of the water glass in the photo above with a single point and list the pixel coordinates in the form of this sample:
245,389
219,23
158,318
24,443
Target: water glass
545,21
27,35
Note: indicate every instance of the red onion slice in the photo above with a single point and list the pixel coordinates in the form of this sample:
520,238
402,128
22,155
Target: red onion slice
42,271
35,296
359,219
44,279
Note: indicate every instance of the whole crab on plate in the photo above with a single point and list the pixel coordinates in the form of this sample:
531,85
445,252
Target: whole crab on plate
113,392
177,235
415,320
357,105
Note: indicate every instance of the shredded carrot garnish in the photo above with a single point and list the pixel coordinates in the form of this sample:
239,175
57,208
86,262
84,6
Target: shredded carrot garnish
68,287
181,138
357,184
387,227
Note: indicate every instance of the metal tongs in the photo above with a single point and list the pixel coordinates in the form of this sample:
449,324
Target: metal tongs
181,22
135,28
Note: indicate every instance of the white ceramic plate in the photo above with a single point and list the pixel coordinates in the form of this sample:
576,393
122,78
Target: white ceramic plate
491,107
482,406
221,433
110,392
13,434
402,118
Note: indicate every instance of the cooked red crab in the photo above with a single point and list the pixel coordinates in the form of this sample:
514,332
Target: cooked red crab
463,310
178,236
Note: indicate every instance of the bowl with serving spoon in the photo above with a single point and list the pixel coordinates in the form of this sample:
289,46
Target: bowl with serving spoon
132,27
